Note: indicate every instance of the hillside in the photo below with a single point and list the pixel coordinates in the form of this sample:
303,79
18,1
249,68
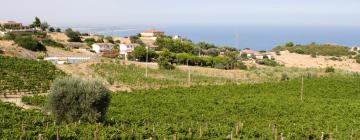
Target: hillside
306,61
316,49
249,111
19,76
11,49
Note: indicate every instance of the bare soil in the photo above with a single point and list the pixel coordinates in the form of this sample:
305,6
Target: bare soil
306,61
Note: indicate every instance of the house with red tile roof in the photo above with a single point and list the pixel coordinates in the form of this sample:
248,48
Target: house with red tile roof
10,24
151,33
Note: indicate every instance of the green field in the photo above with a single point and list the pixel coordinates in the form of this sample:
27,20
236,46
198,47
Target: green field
247,111
134,76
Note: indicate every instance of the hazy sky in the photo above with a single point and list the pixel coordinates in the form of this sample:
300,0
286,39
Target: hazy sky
169,12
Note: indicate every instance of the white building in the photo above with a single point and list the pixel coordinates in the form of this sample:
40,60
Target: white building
152,34
102,47
67,60
125,49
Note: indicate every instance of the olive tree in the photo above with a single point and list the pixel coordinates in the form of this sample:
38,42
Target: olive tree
72,100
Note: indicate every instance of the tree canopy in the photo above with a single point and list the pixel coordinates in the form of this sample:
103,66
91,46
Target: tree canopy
74,100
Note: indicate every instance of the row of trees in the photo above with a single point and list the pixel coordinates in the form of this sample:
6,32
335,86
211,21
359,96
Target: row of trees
44,26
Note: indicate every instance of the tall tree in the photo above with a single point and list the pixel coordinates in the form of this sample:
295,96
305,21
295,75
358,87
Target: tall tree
36,23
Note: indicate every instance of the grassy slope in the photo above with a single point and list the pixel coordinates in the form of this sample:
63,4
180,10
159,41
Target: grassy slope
134,76
325,50
330,105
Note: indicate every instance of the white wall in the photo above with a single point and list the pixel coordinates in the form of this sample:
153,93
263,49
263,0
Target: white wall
96,48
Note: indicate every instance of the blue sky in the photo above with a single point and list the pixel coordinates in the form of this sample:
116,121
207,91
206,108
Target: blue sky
170,12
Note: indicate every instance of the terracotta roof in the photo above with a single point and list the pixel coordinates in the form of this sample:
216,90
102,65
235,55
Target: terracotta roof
152,31
9,22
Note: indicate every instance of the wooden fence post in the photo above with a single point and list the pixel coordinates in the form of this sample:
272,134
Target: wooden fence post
57,133
322,136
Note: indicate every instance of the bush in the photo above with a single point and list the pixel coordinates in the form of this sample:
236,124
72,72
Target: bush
313,55
89,41
29,43
72,100
73,36
278,53
357,58
299,51
240,65
52,43
51,29
165,60
284,77
140,53
267,62
289,44
40,55
329,69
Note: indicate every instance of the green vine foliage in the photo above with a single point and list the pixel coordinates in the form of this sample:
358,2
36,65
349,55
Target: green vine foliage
249,111
26,76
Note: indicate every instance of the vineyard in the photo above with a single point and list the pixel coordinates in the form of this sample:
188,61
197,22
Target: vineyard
26,76
329,110
134,76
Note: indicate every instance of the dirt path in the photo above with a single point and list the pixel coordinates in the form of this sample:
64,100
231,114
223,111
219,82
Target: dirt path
17,102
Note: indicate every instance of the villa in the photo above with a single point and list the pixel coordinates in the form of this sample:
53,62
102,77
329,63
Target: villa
11,24
151,34
126,48
102,47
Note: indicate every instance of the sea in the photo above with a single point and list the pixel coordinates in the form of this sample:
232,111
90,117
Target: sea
241,36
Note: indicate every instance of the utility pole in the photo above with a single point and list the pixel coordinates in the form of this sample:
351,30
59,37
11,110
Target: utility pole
147,56
189,78
302,87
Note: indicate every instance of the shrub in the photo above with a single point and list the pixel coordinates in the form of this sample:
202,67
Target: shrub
357,59
140,53
267,62
240,65
110,39
165,60
329,69
51,29
289,44
40,55
29,43
278,53
284,77
58,30
1,51
73,36
52,43
299,51
72,100
89,41
313,55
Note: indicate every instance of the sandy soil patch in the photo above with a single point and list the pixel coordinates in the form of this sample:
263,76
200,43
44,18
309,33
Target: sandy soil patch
306,61
11,49
59,37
